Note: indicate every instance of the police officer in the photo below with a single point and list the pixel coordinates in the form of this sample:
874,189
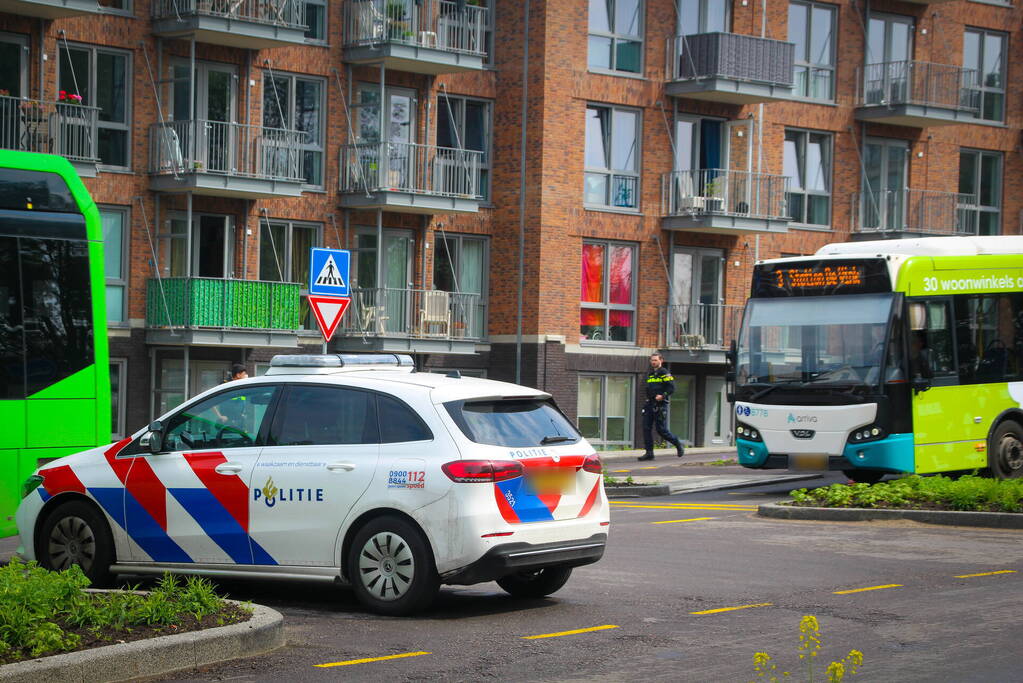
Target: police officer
659,386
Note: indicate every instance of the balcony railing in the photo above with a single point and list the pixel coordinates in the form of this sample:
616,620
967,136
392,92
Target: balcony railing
69,130
719,192
924,84
415,313
435,24
289,13
699,326
223,304
731,56
917,211
412,168
232,149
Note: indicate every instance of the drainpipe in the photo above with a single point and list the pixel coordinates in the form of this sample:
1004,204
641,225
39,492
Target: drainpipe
522,192
42,60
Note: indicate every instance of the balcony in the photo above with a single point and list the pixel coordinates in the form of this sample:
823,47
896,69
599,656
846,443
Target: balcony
917,94
724,202
410,178
703,331
420,36
412,321
213,312
224,159
50,9
252,24
69,130
894,214
729,67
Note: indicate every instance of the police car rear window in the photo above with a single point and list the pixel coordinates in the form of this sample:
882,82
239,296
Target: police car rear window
513,422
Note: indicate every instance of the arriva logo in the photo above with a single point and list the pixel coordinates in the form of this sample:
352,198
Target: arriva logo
271,494
802,418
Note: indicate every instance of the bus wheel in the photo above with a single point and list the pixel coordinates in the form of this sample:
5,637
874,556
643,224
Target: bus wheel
1005,454
77,533
864,476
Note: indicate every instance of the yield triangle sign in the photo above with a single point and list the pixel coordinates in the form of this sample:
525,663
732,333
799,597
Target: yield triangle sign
329,275
328,311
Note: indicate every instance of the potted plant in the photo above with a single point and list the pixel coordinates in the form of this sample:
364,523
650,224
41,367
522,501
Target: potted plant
32,111
397,20
65,97
713,202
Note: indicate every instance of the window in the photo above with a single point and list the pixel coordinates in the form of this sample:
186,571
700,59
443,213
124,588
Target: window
984,51
316,20
115,252
296,103
118,389
513,423
612,157
811,28
604,409
980,176
227,420
398,423
460,265
284,257
616,35
807,163
989,337
102,78
465,123
608,308
931,353
321,416
123,5
703,16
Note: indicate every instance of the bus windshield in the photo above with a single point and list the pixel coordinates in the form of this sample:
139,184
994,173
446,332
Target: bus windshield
814,340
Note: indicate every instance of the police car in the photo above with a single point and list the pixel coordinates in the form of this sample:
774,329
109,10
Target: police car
342,468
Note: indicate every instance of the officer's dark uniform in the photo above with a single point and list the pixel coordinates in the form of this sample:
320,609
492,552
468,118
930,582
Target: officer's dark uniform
658,381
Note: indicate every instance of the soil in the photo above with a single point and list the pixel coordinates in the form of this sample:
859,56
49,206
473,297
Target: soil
103,636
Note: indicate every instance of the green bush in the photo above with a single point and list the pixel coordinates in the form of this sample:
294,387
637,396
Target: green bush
969,492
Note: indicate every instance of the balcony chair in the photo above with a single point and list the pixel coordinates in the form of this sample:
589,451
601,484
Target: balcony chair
435,314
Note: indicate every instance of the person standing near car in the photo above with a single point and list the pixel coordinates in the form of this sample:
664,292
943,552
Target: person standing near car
659,386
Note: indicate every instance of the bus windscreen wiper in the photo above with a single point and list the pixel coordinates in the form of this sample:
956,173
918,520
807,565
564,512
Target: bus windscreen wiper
764,392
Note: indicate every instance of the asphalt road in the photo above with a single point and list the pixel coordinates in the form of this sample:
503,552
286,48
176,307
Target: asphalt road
662,605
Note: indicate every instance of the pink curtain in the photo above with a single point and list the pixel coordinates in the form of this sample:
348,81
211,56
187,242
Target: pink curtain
621,276
593,273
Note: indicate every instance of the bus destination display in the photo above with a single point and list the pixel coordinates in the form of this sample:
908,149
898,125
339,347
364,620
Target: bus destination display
824,277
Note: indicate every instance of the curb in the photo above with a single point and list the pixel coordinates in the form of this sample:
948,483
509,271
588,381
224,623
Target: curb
638,491
154,656
990,520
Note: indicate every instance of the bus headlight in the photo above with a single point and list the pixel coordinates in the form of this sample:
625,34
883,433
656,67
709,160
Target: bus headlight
744,431
865,434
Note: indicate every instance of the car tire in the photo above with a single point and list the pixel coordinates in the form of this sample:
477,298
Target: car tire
391,567
536,583
864,476
1005,452
77,533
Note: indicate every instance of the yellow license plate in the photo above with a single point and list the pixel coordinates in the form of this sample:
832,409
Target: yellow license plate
552,481
808,461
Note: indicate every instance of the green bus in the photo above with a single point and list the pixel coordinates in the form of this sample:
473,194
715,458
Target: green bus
54,367
885,357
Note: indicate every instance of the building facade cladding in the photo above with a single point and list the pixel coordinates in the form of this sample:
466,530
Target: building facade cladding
556,222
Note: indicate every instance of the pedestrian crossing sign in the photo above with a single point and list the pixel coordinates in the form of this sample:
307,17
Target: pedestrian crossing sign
328,271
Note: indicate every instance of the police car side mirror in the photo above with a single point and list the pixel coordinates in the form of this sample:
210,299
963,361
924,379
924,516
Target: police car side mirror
154,439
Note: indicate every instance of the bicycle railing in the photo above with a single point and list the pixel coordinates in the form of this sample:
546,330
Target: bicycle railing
719,191
69,130
410,167
923,211
435,24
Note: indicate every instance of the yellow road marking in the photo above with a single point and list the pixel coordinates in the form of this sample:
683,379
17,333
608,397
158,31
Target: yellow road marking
691,519
570,633
1001,571
652,467
618,471
732,609
372,659
868,588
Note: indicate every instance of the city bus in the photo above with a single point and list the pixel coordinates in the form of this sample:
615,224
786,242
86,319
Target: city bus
54,367
883,357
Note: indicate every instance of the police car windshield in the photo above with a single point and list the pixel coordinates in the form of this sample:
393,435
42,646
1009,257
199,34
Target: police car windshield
514,423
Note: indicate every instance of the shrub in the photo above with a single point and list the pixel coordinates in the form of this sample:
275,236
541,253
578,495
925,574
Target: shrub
969,492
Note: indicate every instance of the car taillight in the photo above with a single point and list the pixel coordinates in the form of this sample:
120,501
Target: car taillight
470,471
592,464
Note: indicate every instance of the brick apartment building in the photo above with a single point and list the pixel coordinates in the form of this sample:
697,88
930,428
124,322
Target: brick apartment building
668,145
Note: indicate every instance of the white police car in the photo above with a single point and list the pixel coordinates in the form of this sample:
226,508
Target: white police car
341,468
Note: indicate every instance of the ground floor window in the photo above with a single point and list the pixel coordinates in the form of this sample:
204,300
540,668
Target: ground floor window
605,409
118,386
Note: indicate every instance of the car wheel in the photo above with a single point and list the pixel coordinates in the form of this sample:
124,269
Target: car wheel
536,583
1005,457
864,476
391,567
77,533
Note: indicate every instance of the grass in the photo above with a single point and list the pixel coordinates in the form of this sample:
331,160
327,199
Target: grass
45,613
967,493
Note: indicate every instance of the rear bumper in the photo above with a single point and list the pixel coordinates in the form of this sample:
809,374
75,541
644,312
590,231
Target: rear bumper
509,558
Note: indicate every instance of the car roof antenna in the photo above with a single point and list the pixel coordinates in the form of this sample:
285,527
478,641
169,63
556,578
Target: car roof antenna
454,374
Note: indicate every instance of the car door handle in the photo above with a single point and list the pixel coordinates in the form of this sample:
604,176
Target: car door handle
227,468
341,466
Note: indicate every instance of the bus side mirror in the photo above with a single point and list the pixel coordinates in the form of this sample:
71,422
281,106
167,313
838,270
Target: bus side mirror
730,355
154,439
921,384
730,376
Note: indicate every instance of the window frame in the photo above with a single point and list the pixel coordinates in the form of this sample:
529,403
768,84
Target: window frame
984,90
289,227
312,40
119,415
459,238
809,66
320,145
487,165
93,51
703,13
121,282
127,10
603,443
801,146
978,208
615,37
609,172
604,304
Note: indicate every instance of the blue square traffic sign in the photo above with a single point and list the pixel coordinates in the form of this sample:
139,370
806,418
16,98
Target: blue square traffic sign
328,271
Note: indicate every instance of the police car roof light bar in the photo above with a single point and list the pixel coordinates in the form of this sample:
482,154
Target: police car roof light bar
342,360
